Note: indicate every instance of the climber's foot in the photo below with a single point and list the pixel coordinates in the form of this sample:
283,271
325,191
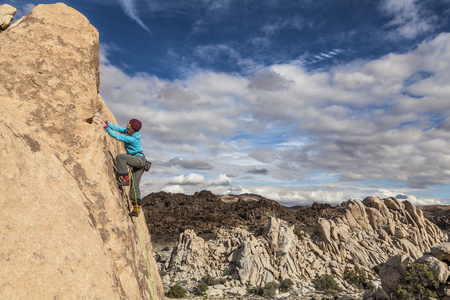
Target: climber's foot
123,183
136,210
133,214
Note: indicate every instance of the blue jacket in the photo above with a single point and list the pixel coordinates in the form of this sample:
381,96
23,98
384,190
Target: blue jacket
132,142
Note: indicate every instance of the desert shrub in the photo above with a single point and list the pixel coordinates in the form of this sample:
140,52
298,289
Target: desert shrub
285,285
418,283
270,289
327,284
358,278
228,271
177,291
162,273
201,288
257,290
371,286
208,280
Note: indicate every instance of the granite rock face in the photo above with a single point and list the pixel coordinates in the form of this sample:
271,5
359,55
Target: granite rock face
395,268
7,13
364,234
65,232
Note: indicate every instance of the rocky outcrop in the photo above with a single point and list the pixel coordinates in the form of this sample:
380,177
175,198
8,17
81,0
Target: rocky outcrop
438,214
365,234
170,214
396,267
64,225
7,13
393,271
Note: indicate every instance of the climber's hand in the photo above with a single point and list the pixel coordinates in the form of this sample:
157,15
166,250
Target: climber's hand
98,117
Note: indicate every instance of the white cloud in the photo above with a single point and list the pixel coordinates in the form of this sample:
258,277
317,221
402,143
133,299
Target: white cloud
223,180
365,122
263,154
130,9
409,17
211,53
23,8
191,179
173,189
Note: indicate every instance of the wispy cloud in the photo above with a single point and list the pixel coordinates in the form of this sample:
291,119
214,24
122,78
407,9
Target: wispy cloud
308,59
23,8
409,17
129,8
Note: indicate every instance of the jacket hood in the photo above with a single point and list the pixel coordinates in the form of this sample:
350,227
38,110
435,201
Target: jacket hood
137,135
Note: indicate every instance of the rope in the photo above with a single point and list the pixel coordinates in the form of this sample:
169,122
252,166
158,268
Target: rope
142,237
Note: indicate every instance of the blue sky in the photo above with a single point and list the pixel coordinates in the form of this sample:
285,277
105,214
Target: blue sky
298,101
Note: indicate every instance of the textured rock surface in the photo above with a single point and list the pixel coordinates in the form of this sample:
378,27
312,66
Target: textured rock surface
438,214
64,226
395,269
439,268
362,234
7,13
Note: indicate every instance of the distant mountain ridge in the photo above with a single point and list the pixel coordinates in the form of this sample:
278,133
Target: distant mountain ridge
203,211
171,214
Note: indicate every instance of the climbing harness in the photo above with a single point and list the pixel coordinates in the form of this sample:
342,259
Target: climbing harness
142,235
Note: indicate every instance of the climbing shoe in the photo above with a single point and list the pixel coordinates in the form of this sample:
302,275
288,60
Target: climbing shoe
136,210
125,181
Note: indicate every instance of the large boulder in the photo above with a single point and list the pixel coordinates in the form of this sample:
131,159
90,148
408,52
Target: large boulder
282,244
441,251
439,268
7,13
365,234
190,257
64,224
253,263
393,271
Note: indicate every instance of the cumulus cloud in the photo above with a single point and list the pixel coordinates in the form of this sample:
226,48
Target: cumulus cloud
191,179
268,80
223,180
173,189
384,119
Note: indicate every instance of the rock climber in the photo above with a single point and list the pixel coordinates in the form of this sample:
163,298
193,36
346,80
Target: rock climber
135,158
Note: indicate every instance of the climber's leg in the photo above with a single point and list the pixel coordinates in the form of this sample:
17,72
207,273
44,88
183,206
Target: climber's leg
135,191
123,161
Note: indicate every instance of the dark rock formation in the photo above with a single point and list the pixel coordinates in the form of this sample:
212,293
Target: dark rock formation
438,214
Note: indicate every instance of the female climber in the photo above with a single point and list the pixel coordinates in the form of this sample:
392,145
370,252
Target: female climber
131,137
